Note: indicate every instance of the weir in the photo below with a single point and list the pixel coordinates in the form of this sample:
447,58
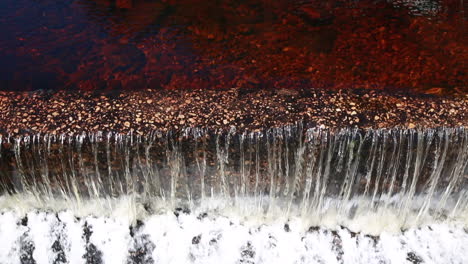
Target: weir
233,132
290,167
365,183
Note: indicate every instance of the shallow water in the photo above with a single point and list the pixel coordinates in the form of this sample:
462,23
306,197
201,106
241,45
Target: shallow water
180,44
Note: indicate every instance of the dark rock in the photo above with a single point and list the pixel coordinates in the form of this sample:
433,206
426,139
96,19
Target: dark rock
142,253
92,255
27,248
247,254
57,248
180,210
196,239
313,229
87,232
202,216
413,258
24,221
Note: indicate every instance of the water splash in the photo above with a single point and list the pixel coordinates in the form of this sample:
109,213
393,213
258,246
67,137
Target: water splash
320,175
191,238
284,195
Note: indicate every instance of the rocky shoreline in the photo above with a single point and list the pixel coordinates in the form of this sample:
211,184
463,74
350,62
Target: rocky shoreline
140,112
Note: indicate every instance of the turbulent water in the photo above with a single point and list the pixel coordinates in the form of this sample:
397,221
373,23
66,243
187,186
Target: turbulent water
188,238
285,195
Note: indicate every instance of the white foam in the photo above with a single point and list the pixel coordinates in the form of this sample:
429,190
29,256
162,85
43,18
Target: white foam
73,242
111,236
10,233
365,219
41,233
214,238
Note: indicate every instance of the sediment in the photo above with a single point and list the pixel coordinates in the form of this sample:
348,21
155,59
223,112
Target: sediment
140,112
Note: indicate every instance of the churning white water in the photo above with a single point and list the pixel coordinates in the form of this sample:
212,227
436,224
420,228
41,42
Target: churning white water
193,237
286,195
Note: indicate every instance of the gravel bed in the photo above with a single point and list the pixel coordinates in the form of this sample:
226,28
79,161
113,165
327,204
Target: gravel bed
140,112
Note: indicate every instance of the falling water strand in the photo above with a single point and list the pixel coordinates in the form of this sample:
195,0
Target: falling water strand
304,172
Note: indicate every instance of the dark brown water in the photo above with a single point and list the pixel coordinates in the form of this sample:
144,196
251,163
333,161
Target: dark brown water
213,44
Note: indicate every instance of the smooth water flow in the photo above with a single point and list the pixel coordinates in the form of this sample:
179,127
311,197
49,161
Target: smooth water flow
284,195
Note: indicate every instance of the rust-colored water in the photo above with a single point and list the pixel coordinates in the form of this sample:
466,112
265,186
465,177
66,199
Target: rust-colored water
214,44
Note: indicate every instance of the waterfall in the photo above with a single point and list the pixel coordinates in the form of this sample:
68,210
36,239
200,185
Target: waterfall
303,171
351,184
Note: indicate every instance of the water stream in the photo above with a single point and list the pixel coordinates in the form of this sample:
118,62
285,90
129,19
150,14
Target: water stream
283,195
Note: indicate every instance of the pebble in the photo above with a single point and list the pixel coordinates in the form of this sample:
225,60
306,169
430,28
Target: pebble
252,111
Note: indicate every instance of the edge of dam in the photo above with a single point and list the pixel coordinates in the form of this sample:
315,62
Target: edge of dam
140,112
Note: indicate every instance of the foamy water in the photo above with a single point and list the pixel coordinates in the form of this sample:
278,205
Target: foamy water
185,236
220,231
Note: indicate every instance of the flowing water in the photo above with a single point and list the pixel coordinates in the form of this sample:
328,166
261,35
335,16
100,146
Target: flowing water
283,195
